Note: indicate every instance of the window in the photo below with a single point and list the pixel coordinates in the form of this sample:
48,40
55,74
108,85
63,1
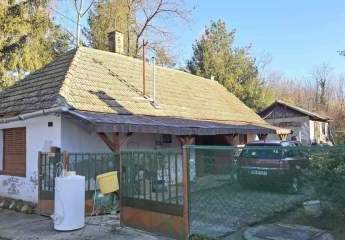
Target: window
262,153
14,151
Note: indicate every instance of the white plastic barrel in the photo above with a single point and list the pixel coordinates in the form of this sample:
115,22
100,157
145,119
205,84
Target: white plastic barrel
69,203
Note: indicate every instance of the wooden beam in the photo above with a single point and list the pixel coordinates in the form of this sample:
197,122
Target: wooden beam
65,160
107,141
283,137
229,139
262,136
185,140
116,141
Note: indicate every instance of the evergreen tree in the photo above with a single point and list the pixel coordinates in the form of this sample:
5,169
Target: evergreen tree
28,38
234,68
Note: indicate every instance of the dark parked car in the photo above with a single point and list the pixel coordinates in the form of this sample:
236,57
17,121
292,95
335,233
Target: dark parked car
272,163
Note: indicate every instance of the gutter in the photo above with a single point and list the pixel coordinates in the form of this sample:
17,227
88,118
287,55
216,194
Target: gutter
25,116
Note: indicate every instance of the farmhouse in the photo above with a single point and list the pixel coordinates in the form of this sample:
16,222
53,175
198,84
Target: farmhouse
92,101
307,127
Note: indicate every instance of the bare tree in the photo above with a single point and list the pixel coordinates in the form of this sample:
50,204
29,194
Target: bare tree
321,75
149,20
151,16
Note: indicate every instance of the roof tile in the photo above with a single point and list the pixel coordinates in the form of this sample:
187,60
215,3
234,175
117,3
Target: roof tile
98,81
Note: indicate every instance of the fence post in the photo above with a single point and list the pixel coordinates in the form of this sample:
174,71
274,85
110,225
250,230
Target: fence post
185,180
120,190
65,160
39,176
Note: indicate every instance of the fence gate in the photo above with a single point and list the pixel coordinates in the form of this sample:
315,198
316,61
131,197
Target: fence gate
47,172
85,164
152,191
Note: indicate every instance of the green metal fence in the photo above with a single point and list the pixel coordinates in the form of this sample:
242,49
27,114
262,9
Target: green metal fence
233,188
85,164
152,180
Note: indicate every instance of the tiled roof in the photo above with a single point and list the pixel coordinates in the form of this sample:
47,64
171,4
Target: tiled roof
313,115
98,81
39,90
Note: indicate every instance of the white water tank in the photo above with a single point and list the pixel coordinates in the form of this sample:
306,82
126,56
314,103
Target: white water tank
69,203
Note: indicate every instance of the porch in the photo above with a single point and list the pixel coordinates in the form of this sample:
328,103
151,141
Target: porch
154,186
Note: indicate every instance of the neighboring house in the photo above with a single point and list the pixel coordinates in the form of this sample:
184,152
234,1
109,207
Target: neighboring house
307,127
94,101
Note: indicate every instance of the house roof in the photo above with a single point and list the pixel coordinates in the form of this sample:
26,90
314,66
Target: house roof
90,80
312,115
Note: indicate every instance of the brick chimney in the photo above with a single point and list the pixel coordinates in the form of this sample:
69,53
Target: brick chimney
115,42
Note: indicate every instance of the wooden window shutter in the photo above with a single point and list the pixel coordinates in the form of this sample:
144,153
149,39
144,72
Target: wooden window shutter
15,151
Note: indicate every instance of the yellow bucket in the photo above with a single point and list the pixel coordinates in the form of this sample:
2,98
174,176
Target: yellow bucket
108,182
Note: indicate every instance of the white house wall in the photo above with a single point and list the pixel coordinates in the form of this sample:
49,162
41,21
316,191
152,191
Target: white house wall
139,141
76,137
302,132
312,130
322,137
39,137
1,149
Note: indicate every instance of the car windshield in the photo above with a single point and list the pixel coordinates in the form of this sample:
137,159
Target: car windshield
262,152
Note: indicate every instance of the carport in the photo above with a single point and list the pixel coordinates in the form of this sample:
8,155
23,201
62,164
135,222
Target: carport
142,205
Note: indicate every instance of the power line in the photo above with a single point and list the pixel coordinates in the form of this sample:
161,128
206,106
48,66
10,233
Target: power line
66,17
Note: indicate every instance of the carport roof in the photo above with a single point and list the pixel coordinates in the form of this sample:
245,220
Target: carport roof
102,122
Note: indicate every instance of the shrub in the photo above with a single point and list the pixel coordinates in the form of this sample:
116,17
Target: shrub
326,175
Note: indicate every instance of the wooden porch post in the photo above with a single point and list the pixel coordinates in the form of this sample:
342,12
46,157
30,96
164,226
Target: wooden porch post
283,137
114,143
65,160
185,140
230,138
262,136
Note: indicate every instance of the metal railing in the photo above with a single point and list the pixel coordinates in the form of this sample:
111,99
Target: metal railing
85,164
152,180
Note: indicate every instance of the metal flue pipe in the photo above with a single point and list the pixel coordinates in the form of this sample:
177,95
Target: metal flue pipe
154,80
144,80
